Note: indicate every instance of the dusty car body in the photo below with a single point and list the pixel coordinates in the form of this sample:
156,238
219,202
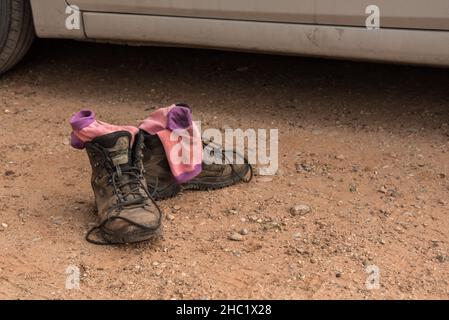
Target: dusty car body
407,31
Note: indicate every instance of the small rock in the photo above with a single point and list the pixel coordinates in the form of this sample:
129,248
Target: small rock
340,157
338,274
170,217
304,166
58,220
176,207
236,253
231,211
352,188
253,218
4,225
155,263
235,237
244,232
299,210
408,214
382,189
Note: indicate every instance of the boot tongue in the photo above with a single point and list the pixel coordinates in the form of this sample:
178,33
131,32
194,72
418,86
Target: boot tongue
117,144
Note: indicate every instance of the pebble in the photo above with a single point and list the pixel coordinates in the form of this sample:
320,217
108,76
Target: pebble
170,217
340,157
235,237
299,210
338,274
408,214
304,166
155,263
382,189
58,220
244,232
176,207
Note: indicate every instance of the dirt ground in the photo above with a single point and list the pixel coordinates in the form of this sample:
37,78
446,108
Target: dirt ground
365,146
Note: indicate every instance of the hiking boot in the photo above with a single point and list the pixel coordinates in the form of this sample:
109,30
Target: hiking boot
223,173
160,181
162,185
126,212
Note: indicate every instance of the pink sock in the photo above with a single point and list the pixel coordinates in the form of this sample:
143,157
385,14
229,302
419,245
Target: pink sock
180,137
86,128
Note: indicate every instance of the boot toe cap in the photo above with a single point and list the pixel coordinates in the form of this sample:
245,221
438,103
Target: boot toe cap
133,225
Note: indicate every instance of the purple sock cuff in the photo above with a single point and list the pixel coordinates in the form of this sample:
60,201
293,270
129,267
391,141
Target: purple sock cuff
179,117
76,142
82,119
184,177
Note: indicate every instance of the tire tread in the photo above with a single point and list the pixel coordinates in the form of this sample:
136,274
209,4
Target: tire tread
19,36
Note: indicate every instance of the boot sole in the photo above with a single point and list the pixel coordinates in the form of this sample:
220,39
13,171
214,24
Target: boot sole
137,235
211,185
215,182
203,185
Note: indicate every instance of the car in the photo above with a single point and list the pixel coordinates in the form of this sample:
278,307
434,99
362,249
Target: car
400,31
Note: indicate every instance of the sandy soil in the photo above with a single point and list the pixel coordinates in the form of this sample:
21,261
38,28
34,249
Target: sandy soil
365,146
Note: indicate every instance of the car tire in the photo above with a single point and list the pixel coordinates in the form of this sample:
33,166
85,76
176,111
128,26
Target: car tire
16,32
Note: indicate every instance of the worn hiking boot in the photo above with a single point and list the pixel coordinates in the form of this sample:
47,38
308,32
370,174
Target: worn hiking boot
160,181
162,185
126,212
220,174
